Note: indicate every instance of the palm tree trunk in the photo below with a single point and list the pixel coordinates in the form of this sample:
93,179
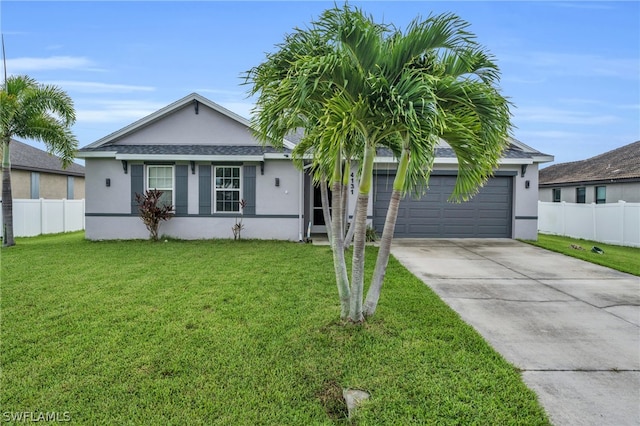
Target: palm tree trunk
345,198
384,251
7,197
357,265
349,238
326,214
337,241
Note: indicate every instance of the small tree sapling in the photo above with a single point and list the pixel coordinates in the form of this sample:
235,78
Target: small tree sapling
152,211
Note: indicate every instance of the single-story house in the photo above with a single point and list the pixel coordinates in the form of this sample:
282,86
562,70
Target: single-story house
206,160
37,174
606,178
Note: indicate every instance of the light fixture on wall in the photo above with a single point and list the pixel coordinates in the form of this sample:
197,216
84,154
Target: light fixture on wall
108,182
277,181
523,170
124,166
193,167
526,184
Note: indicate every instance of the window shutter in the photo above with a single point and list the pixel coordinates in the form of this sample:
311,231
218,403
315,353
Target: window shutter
182,189
204,189
249,189
137,185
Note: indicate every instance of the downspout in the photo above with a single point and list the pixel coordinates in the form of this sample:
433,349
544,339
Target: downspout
301,204
300,207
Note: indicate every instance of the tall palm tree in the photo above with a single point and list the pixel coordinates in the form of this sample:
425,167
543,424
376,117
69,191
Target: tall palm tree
443,91
32,111
318,81
292,97
355,85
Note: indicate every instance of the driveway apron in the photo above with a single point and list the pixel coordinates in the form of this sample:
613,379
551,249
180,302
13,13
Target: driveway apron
572,327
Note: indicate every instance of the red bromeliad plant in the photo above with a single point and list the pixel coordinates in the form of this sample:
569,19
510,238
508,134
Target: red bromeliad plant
152,211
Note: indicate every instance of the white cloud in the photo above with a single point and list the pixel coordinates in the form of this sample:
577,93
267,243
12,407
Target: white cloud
575,64
221,92
582,5
126,111
243,109
598,103
97,87
561,116
19,65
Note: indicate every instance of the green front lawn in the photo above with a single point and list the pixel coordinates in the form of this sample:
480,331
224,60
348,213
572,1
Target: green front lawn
234,333
624,259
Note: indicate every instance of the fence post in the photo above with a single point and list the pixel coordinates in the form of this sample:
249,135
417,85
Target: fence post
42,215
622,207
594,222
64,215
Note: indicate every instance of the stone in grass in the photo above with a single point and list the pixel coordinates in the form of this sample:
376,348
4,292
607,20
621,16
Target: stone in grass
353,398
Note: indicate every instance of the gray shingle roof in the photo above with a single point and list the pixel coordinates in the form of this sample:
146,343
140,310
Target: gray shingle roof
619,164
27,157
444,152
231,150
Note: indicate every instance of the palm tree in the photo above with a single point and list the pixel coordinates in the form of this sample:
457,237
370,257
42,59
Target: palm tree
318,81
33,111
286,104
354,86
444,91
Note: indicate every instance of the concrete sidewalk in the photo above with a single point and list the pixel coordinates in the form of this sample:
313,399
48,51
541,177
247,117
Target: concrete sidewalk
571,326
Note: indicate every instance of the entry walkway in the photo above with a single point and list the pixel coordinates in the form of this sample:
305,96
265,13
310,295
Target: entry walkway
572,327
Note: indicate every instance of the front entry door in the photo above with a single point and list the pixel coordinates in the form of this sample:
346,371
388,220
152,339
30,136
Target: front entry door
317,225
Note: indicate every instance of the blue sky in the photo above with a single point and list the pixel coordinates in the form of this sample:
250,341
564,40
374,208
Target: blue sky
571,69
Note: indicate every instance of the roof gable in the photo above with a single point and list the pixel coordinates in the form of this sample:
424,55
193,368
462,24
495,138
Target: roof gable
191,120
27,157
619,164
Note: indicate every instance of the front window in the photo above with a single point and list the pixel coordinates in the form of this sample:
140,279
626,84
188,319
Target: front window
227,189
601,194
581,195
35,185
70,188
161,178
557,195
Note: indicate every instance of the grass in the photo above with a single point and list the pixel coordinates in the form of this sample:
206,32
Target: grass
243,333
621,258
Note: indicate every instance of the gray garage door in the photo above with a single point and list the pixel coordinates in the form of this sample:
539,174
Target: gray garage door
486,215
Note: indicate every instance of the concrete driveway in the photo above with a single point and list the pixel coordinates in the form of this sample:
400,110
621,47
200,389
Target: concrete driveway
572,327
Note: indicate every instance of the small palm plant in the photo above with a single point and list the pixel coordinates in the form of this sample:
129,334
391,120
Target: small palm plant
238,226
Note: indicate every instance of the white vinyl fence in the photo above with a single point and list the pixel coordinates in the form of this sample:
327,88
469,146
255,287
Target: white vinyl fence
35,217
615,223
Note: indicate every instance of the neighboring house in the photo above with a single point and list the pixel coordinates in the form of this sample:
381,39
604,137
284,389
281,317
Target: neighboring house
607,178
37,174
206,160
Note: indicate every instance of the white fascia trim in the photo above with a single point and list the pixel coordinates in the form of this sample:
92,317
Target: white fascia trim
168,157
543,158
288,144
277,156
450,160
97,154
516,161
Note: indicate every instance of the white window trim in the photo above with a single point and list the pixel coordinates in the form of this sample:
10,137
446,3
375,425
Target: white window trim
215,189
173,181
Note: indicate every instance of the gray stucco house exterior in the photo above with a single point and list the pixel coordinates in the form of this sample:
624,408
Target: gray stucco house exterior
206,160
37,174
606,178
